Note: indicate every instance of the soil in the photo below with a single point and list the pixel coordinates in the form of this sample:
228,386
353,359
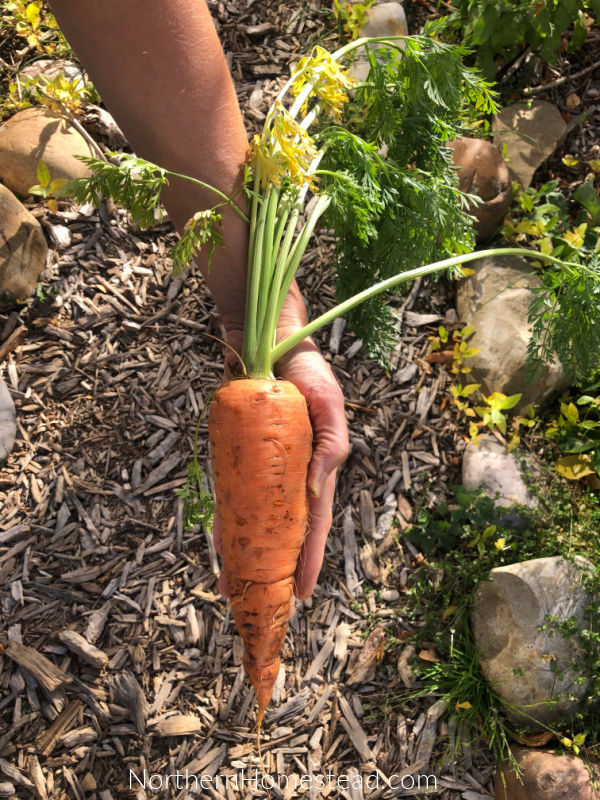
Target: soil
109,373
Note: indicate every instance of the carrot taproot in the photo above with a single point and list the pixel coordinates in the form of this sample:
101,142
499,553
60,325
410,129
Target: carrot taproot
261,444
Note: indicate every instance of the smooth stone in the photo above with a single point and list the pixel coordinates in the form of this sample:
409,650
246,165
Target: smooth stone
490,464
546,775
531,132
515,655
495,300
8,422
384,19
23,249
483,172
34,135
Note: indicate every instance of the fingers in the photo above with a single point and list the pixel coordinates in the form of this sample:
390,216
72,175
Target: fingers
309,371
311,555
331,447
312,375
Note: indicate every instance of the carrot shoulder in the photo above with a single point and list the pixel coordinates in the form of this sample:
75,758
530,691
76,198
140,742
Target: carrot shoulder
261,445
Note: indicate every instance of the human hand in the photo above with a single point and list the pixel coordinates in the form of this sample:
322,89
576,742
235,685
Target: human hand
307,369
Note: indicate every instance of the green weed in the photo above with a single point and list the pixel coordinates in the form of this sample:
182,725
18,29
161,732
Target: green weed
463,541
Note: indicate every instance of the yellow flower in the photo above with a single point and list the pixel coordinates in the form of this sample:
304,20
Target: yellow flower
294,144
270,165
329,80
500,543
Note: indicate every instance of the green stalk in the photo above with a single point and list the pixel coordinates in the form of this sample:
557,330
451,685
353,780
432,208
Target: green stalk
293,260
252,322
287,264
218,192
267,264
281,224
287,344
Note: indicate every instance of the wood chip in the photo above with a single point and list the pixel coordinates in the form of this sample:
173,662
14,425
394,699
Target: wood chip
80,645
386,518
350,552
177,725
128,693
15,775
96,623
43,670
47,739
361,666
354,730
37,777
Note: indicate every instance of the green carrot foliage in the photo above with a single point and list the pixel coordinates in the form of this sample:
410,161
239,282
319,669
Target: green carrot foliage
395,204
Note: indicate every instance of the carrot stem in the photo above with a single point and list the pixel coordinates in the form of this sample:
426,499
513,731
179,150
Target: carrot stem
437,266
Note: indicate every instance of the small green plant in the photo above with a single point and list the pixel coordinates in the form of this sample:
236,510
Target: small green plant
491,413
542,219
471,518
576,431
47,187
499,31
198,504
34,23
463,541
351,17
57,93
476,708
461,350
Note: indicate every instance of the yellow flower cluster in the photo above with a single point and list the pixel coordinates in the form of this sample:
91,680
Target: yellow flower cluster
330,81
287,150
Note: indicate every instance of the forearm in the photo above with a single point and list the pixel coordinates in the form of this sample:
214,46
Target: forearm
160,69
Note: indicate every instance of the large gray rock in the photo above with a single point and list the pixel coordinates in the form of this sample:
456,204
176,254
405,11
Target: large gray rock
545,775
384,19
34,135
533,672
489,465
8,422
495,300
23,249
528,133
483,172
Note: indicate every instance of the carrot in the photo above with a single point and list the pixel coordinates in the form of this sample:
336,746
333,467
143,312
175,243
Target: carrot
261,445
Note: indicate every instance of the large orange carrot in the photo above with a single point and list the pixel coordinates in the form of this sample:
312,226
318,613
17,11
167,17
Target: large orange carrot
261,445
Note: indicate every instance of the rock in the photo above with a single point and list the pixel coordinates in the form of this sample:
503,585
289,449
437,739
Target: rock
546,775
495,300
8,422
384,19
23,249
34,135
490,464
531,670
531,132
50,68
483,172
